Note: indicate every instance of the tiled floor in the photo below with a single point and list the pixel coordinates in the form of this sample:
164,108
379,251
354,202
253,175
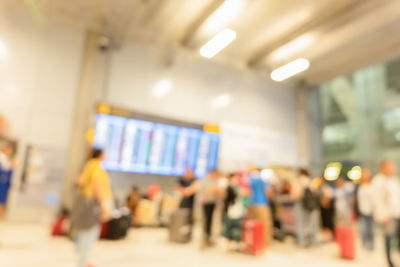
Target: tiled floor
31,245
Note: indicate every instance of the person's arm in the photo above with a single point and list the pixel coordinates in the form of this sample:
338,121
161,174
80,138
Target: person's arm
214,190
269,191
193,188
295,191
180,189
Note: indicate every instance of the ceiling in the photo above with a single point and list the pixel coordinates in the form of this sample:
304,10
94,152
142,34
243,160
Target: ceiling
336,36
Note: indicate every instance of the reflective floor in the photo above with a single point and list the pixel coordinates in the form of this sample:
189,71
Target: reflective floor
25,245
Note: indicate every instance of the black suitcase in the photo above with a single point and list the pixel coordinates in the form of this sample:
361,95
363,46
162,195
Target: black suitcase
180,227
118,227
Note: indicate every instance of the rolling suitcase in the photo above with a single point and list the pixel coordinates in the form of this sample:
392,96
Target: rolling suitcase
253,236
180,227
60,227
118,227
345,239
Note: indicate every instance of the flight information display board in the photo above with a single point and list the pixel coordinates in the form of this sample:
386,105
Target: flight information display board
146,147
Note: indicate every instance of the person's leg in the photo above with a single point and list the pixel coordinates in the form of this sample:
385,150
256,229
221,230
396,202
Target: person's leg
388,243
299,214
314,226
1,211
398,233
364,231
207,208
85,239
370,231
210,222
268,225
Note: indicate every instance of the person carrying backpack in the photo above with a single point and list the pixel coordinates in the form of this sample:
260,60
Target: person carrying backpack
306,208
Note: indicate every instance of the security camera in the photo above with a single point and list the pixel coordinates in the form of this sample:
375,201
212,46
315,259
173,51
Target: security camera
104,43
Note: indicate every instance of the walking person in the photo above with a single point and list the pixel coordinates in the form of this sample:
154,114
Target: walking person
365,199
209,195
92,205
387,204
306,208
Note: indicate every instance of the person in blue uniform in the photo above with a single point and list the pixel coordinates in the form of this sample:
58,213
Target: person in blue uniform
6,169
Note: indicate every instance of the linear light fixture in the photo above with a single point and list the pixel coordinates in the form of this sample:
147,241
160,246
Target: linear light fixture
224,15
217,43
290,69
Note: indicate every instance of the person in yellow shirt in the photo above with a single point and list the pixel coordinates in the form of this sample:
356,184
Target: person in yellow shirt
93,183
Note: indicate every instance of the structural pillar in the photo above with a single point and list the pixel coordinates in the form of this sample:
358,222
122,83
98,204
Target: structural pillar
91,90
309,136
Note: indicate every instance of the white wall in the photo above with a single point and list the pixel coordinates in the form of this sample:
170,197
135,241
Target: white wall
135,70
39,77
38,80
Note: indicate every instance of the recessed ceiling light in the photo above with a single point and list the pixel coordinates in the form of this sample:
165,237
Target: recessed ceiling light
217,43
290,69
221,101
162,88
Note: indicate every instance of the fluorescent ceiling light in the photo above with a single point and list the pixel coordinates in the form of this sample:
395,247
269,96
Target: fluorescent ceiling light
217,43
290,69
162,88
226,13
221,101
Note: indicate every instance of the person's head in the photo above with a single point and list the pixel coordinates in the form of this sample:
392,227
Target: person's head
233,178
304,172
388,168
339,182
188,174
135,188
365,176
215,174
7,149
98,154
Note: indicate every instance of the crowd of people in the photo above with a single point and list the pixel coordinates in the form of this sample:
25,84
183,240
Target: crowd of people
319,207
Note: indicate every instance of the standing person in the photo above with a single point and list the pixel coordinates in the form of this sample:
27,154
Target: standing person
187,186
365,198
344,194
387,204
234,210
6,170
327,209
93,185
210,193
259,208
132,203
306,208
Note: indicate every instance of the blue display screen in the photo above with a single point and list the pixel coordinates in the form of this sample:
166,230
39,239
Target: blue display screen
146,147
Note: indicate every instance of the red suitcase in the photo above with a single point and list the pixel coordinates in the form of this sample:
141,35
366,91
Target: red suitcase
104,230
345,239
253,236
60,227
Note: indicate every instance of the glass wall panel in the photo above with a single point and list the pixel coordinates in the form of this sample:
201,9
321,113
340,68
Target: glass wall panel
360,116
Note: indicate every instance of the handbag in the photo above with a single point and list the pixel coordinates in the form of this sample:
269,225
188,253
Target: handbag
237,210
86,212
